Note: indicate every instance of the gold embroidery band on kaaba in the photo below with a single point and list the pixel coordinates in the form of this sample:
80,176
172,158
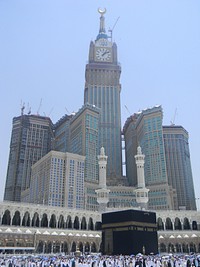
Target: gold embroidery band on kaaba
129,224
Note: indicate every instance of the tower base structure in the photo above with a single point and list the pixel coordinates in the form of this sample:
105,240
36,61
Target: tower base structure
102,198
129,232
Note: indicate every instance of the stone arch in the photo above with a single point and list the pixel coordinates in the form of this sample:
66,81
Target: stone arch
76,223
163,248
168,224
160,224
26,221
97,226
83,224
16,218
177,224
61,222
171,248
9,242
186,224
90,224
44,220
73,248
87,247
192,247
69,222
40,247
6,219
185,248
80,246
19,242
178,248
57,247
194,225
48,247
52,222
65,247
35,220
93,247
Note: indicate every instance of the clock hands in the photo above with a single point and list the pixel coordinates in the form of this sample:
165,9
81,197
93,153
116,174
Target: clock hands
104,53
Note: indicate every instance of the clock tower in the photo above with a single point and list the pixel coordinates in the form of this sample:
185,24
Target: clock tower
102,89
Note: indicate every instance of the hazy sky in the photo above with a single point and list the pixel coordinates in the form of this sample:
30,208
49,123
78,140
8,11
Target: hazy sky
44,47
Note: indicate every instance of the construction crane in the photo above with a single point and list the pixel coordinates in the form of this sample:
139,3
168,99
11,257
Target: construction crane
22,108
67,110
28,109
127,110
39,107
111,30
173,120
50,112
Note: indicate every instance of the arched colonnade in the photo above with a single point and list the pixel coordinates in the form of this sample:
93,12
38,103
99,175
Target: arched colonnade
176,224
51,218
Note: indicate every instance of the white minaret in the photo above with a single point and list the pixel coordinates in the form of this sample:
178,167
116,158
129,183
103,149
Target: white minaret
141,191
102,192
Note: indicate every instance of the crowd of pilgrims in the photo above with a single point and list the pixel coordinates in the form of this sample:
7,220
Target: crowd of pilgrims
101,261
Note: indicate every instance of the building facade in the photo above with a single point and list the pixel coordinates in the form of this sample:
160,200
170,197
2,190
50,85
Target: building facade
43,229
58,180
31,139
131,143
150,137
62,134
167,166
84,134
145,129
102,89
177,155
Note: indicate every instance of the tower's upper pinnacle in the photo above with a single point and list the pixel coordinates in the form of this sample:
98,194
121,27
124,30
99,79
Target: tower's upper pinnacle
139,150
102,151
102,31
102,11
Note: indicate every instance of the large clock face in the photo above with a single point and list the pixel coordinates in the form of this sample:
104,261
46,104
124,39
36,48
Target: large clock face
103,54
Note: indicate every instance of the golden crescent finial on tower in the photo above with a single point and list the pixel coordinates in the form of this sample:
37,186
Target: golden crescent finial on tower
102,11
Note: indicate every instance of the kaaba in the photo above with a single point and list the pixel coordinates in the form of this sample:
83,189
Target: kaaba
129,232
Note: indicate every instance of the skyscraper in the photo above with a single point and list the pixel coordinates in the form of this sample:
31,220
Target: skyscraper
150,138
145,129
131,143
31,140
62,134
84,139
58,180
102,89
178,164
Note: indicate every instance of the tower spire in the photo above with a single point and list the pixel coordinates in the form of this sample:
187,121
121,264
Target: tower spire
141,190
102,192
102,20
102,29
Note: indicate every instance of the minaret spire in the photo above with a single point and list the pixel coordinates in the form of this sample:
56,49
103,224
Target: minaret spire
141,191
102,20
102,158
102,192
102,30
